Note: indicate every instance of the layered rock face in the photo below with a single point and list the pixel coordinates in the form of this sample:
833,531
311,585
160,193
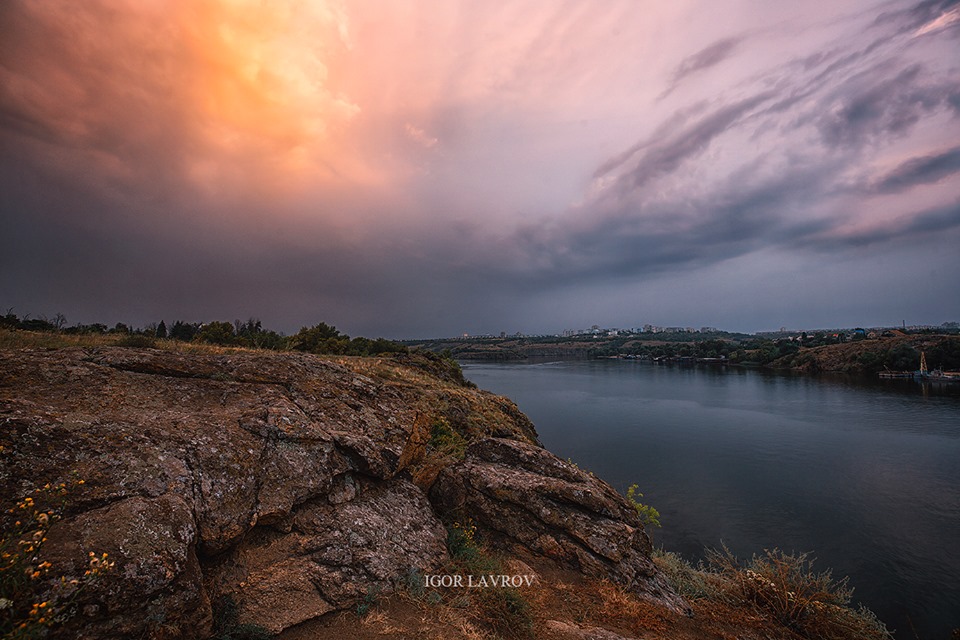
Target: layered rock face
285,481
550,507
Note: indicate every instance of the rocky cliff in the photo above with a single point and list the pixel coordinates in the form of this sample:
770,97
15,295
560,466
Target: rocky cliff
296,485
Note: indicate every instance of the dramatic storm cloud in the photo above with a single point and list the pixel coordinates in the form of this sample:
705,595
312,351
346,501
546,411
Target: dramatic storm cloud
421,168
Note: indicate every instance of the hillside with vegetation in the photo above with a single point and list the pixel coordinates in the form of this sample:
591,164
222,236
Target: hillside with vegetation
870,356
812,352
195,490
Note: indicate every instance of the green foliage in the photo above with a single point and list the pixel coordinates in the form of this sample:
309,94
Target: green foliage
121,327
226,623
504,609
903,357
870,360
321,338
95,328
220,333
445,441
945,355
326,339
183,331
368,602
413,582
648,515
466,551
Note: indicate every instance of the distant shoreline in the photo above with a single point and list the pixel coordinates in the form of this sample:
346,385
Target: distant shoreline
866,356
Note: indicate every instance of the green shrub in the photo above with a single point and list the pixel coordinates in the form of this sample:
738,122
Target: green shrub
502,609
220,333
648,515
368,602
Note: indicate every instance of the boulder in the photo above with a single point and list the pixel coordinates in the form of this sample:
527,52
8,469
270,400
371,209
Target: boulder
531,498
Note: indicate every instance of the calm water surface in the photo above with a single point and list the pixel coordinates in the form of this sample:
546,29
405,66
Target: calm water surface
866,475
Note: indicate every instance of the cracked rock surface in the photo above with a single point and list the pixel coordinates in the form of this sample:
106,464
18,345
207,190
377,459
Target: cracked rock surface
281,479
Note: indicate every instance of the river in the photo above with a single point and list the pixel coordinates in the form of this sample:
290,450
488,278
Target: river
864,474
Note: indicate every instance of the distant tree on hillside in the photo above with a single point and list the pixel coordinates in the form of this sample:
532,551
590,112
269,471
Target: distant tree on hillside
183,331
321,338
162,330
216,333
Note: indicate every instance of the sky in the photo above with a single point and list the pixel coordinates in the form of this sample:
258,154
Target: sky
423,169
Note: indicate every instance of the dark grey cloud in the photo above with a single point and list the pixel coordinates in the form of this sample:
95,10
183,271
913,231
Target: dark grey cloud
640,239
917,226
835,107
709,56
664,152
875,104
919,171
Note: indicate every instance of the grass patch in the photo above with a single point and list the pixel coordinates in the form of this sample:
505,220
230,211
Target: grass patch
690,582
138,341
786,587
445,441
503,610
782,586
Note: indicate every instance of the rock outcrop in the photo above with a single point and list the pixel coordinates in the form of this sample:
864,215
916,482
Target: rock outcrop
532,498
283,480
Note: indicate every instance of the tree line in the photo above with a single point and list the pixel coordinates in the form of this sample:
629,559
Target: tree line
320,338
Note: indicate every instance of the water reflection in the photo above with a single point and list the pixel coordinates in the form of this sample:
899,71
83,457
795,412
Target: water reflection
862,472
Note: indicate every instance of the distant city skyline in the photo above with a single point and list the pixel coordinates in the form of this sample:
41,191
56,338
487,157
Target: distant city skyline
424,169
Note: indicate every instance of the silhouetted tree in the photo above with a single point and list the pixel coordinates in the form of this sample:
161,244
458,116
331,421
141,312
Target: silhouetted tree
216,333
183,331
322,338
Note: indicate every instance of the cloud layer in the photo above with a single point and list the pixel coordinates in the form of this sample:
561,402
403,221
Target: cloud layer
414,170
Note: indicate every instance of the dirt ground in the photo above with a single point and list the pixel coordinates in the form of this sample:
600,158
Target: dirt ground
564,605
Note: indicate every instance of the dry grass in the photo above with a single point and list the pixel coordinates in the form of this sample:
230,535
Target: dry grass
49,340
21,339
618,604
786,587
690,582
